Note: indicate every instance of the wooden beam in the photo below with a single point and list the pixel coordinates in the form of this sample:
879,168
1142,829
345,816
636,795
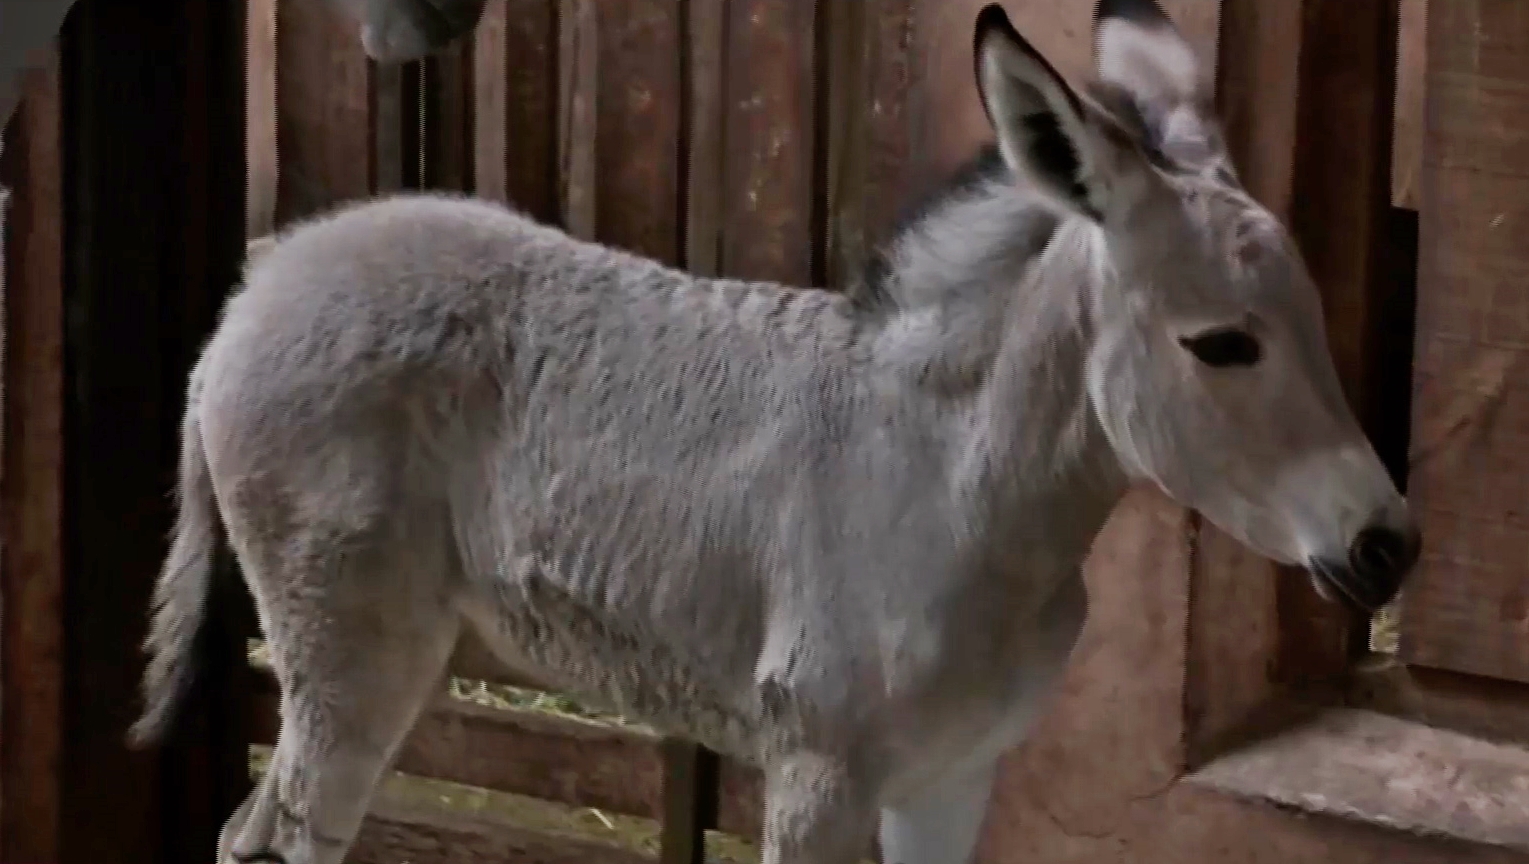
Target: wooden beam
32,618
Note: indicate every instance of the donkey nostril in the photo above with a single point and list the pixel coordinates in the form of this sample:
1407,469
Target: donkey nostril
1383,552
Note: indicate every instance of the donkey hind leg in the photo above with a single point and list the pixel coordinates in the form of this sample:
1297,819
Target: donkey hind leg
358,655
817,811
941,824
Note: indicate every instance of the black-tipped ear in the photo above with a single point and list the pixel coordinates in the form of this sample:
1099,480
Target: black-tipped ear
1038,119
1141,55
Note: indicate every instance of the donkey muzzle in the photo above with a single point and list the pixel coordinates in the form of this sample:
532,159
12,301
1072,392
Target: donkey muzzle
1378,561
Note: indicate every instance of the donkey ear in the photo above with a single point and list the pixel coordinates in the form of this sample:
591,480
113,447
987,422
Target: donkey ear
1043,133
1142,56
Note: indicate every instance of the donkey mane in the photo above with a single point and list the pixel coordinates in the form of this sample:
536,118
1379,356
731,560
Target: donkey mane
920,237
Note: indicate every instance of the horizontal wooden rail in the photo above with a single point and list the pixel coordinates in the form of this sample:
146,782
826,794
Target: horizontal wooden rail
562,759
396,831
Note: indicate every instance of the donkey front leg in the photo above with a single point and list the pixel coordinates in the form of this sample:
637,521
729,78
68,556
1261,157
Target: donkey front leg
817,811
940,825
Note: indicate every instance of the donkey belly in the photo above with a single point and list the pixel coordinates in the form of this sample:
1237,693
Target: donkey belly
536,629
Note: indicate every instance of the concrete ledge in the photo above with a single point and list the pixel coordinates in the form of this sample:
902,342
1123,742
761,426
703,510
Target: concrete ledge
1370,768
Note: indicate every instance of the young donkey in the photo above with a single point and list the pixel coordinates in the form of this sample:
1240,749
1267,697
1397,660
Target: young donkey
837,536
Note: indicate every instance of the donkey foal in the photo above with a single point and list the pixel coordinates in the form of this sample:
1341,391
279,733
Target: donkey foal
836,535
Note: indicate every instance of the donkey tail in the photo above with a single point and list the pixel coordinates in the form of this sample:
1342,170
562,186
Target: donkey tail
181,595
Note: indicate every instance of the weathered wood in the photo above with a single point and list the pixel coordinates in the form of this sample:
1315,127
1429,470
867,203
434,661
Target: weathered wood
1411,65
154,190
340,123
449,125
260,121
689,801
574,762
396,833
1467,609
770,140
578,141
32,672
516,97
1487,708
638,98
865,84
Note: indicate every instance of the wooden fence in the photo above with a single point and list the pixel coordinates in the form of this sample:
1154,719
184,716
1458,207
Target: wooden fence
757,138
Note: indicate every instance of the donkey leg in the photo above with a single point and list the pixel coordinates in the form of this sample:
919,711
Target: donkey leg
940,825
359,638
817,811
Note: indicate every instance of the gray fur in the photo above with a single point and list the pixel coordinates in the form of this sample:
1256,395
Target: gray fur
839,537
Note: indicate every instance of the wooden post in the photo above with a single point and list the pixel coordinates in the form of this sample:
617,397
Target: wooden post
31,479
153,221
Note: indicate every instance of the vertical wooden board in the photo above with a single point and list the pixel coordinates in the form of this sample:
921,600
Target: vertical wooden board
326,122
1411,65
867,71
260,118
31,478
516,94
638,99
154,221
769,139
1467,609
449,146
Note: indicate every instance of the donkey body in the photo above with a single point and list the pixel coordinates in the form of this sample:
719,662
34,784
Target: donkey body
836,535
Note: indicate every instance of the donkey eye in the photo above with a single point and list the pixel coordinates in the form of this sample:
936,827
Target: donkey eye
1224,348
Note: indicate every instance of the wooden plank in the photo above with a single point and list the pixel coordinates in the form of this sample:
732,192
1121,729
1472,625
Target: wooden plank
449,96
340,119
689,801
770,164
155,220
516,102
867,63
260,119
560,759
578,117
1411,64
1488,708
32,670
638,94
1467,609
409,833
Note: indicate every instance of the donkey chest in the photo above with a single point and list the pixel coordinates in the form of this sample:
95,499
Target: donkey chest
970,717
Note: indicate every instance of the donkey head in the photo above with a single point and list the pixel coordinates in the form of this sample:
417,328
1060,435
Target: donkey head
1208,366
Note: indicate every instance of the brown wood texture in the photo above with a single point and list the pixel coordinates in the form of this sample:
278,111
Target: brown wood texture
32,477
524,752
1488,708
769,140
448,98
515,82
400,833
1467,609
1411,65
154,219
260,121
340,118
637,94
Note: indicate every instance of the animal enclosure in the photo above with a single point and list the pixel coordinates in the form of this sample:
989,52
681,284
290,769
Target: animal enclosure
777,139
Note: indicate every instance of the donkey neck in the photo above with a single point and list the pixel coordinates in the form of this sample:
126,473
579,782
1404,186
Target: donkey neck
992,329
